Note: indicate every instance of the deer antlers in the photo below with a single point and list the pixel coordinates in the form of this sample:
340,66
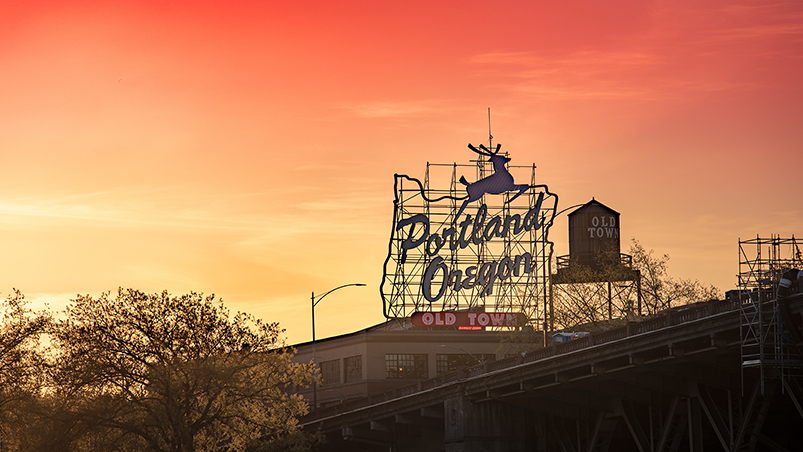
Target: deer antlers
487,152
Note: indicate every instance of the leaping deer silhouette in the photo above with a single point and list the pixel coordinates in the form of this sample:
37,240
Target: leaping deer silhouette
497,183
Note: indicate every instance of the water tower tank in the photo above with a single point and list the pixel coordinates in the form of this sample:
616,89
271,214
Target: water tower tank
593,231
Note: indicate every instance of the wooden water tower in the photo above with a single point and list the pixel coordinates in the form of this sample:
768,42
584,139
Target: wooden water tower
594,234
595,259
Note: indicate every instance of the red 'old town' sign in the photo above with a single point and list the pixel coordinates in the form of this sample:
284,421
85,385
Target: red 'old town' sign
468,320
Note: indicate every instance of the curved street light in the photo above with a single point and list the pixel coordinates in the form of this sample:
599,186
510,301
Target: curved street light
315,303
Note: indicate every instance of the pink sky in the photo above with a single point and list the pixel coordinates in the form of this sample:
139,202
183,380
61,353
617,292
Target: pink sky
247,148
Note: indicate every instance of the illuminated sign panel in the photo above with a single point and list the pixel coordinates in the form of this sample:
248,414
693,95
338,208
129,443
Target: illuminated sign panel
468,319
455,248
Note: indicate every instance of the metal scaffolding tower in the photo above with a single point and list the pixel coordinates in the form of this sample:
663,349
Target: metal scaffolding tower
764,344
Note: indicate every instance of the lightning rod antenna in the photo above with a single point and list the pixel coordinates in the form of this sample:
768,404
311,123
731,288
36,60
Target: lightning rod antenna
490,137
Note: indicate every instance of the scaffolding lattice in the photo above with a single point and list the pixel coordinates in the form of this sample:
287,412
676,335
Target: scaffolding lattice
526,293
762,262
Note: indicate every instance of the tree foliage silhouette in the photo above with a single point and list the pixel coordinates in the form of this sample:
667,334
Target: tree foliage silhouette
604,297
165,373
21,363
659,290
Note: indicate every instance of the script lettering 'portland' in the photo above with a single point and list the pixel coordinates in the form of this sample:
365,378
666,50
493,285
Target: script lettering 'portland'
470,231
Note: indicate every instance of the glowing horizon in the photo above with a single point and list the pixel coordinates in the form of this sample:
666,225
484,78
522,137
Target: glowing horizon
247,149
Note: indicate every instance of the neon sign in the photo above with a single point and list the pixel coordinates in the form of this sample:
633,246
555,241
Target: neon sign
468,320
458,249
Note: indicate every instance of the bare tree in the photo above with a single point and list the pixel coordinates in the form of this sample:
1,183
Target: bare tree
595,298
659,290
607,294
163,373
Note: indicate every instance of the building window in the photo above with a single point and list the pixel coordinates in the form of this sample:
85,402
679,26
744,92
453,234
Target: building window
330,372
450,362
406,366
353,365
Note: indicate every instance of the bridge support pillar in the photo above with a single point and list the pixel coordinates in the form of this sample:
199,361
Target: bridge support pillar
487,426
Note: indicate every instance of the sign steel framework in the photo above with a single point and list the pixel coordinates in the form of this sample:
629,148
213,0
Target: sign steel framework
440,198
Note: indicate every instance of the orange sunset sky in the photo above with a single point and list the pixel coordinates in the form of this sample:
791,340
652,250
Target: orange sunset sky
247,148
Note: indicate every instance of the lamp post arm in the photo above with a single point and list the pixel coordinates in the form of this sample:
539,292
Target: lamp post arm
564,210
315,303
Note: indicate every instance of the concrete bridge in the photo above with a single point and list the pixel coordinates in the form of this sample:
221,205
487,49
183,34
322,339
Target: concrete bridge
670,383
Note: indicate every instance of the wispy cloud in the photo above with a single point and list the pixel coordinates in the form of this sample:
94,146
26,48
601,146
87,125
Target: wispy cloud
238,219
110,208
551,65
768,20
344,201
577,75
390,109
682,51
319,166
170,208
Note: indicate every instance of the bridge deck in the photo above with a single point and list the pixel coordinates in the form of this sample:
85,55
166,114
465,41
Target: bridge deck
647,383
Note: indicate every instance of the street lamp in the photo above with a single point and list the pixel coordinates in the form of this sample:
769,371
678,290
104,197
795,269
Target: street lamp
315,303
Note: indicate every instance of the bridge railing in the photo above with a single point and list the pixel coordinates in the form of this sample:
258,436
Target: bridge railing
655,323
675,316
609,336
503,363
